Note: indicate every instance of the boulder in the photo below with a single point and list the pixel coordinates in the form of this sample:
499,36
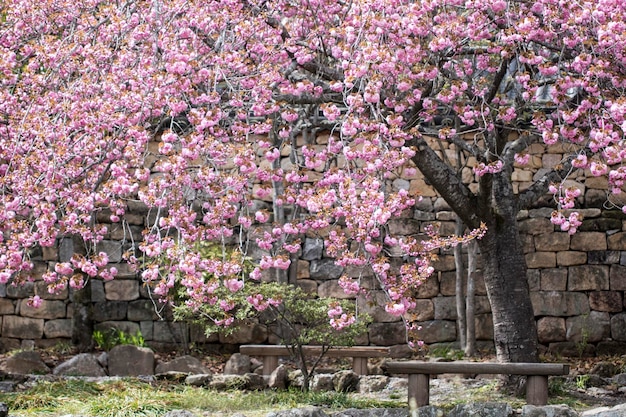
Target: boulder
377,412
24,363
237,364
129,360
372,383
255,382
299,412
225,382
322,382
198,380
278,378
617,411
83,364
345,381
481,410
184,364
548,411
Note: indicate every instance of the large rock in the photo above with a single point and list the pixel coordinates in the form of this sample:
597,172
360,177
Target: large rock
279,377
372,383
184,364
618,327
322,382
548,411
84,364
481,410
377,412
617,411
129,360
310,411
345,381
237,364
24,363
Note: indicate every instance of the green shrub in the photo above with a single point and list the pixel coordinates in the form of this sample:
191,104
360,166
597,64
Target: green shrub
108,339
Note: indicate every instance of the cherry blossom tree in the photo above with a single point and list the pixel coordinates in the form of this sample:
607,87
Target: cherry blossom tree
198,110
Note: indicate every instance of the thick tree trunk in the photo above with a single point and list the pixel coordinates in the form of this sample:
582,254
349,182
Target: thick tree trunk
504,266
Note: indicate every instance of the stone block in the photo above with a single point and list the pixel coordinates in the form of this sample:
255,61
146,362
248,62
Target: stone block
484,326
601,224
374,306
110,311
22,327
617,276
588,328
570,258
588,241
535,226
113,248
610,301
618,327
387,334
325,269
533,276
142,310
541,260
49,309
447,283
332,289
437,331
445,308
20,291
303,269
444,263
559,303
617,241
403,227
588,278
308,285
147,330
429,288
312,249
57,328
41,289
121,290
253,333
551,329
128,327
603,257
128,360
169,332
6,307
552,242
97,291
554,279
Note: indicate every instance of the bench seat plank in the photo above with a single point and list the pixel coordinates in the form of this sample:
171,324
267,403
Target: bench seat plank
419,376
359,354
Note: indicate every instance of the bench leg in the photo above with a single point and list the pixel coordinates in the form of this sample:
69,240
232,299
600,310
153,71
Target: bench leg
359,366
269,364
418,390
537,390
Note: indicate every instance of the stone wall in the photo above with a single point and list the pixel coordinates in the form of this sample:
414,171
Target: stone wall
578,282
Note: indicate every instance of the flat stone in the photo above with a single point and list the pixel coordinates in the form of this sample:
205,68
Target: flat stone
548,411
184,364
121,290
588,278
83,364
559,303
128,360
25,362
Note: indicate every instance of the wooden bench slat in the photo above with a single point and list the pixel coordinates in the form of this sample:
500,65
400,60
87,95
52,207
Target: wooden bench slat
416,367
338,352
419,374
359,354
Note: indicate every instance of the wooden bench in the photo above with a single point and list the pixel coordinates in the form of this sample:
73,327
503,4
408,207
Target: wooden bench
359,355
419,373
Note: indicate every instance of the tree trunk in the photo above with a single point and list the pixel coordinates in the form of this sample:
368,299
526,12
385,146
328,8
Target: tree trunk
460,299
504,265
470,300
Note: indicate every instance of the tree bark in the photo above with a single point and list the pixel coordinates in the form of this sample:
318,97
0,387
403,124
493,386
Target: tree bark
460,299
470,300
515,333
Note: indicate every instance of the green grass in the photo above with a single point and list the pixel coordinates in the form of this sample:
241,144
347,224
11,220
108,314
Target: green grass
132,398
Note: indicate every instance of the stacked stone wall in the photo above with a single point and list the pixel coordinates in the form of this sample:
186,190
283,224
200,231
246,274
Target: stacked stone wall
577,282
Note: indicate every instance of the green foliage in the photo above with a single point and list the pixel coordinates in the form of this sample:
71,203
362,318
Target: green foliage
133,398
582,381
446,352
108,339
